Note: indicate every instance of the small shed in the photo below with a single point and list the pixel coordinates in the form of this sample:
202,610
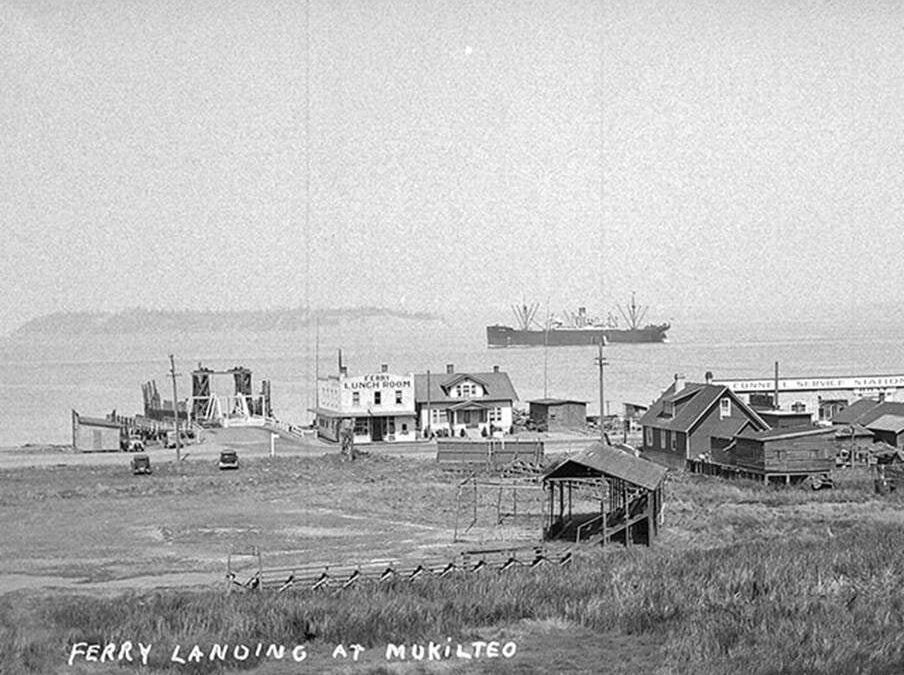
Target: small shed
889,429
552,414
603,494
95,434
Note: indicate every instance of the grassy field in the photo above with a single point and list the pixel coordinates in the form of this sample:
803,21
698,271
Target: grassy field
745,578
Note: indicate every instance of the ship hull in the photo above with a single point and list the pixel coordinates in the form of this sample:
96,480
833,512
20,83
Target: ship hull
506,336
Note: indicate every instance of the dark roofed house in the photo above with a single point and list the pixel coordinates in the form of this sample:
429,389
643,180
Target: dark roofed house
691,419
554,413
450,403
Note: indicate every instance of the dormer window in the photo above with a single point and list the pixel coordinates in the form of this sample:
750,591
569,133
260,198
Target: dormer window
668,409
725,407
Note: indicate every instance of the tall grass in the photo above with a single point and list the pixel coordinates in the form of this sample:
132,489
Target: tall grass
781,606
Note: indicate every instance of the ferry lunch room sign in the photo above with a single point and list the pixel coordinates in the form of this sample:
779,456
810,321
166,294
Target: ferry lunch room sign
856,383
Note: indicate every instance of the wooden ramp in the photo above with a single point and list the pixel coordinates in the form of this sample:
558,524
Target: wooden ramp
339,575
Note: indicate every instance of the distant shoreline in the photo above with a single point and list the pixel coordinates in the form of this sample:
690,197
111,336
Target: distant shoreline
145,321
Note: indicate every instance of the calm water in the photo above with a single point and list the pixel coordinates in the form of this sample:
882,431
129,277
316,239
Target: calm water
44,378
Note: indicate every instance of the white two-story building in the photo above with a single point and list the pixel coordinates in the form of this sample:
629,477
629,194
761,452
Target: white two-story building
380,407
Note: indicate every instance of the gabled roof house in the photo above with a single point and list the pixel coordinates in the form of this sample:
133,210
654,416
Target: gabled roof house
691,419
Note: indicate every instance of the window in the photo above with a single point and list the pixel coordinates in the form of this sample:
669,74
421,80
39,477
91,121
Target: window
356,398
437,416
377,397
362,428
404,428
668,409
495,414
725,407
675,442
398,396
668,439
648,433
662,440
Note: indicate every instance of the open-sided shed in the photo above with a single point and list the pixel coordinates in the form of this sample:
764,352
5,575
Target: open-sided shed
625,492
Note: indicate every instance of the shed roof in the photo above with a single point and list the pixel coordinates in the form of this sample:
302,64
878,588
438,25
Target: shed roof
893,423
855,411
497,384
781,433
855,430
97,422
557,401
604,460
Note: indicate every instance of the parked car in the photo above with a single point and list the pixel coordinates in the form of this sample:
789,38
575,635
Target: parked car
141,464
229,459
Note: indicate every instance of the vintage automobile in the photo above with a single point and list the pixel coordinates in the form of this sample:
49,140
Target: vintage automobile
229,459
141,465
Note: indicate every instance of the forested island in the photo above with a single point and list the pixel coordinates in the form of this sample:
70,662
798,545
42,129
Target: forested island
145,321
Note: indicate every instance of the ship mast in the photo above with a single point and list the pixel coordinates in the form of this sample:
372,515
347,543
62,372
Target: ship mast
632,314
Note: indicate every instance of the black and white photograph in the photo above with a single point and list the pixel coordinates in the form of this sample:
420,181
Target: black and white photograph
451,337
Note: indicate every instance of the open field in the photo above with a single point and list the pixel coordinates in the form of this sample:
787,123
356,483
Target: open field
745,578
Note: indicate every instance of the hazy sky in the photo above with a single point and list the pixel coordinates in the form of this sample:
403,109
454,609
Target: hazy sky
155,153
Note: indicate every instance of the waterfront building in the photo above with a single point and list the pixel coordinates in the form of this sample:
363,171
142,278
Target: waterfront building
827,398
94,434
453,404
378,407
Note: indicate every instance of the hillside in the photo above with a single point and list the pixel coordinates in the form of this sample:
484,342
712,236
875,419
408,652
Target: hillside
153,321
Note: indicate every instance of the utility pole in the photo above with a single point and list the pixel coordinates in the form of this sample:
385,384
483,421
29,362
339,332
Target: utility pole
175,410
602,363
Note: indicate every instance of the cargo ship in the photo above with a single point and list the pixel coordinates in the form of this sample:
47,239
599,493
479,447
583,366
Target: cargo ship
575,329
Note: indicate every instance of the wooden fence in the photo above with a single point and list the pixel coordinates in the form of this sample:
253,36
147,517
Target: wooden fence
313,576
495,452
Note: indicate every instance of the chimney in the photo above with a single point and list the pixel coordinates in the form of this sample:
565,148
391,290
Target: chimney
709,377
343,370
495,369
450,368
680,382
384,368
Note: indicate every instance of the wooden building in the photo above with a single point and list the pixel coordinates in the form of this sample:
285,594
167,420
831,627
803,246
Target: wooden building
94,434
556,414
690,419
786,454
602,495
888,429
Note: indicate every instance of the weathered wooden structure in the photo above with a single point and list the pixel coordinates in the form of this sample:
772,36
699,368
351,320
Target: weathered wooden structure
490,452
624,495
550,414
787,454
